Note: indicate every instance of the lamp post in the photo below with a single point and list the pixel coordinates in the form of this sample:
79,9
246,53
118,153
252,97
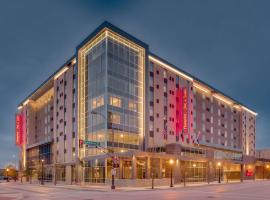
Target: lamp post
219,172
242,173
42,182
7,170
152,180
113,170
171,163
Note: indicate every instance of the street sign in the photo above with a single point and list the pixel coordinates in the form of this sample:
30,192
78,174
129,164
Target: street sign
89,144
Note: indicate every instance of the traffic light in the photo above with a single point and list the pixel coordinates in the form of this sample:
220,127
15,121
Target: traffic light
80,143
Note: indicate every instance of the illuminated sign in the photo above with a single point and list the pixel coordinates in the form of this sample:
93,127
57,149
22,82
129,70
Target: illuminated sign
179,107
182,116
185,110
19,129
249,172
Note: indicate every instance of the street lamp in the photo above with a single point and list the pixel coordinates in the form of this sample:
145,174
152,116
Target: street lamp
171,163
113,170
152,180
42,161
219,172
7,170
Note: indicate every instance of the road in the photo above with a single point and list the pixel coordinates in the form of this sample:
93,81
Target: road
258,190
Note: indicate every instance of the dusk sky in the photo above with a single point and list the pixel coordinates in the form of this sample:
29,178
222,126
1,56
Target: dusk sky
224,43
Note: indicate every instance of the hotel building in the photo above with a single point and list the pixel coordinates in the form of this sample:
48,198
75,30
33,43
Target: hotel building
115,107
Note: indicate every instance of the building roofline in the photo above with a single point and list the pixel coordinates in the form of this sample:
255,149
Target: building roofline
199,80
114,28
47,80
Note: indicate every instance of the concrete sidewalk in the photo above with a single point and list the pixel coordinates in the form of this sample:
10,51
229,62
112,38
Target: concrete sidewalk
106,188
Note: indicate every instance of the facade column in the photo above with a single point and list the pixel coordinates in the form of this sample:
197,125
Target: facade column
54,175
177,171
80,174
121,168
208,172
254,172
148,167
68,174
134,167
242,172
160,168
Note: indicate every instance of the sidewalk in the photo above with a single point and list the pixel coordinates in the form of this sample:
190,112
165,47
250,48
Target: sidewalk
106,188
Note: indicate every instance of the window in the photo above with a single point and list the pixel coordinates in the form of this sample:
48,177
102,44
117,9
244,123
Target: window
97,102
115,101
115,118
164,74
132,105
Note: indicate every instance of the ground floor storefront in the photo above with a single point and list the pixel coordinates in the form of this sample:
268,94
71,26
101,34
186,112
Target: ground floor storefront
142,168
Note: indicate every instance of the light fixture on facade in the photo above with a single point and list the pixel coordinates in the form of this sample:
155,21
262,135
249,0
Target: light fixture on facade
26,102
221,98
202,88
250,111
170,68
74,61
62,71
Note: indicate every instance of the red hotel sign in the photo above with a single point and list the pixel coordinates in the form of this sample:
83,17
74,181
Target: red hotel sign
185,110
19,129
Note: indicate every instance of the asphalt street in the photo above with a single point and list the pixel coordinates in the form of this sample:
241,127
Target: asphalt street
258,190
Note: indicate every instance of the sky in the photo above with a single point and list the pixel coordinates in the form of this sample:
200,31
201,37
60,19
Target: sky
224,43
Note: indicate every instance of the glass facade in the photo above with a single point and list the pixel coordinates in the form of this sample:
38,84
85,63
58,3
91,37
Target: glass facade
113,99
125,93
111,96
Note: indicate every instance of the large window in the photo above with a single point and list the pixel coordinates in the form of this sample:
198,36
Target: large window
132,105
97,102
115,118
115,101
